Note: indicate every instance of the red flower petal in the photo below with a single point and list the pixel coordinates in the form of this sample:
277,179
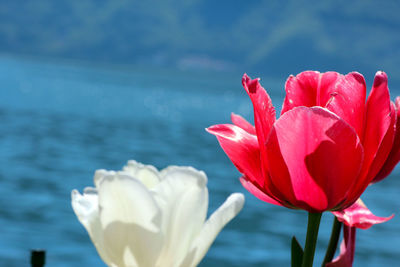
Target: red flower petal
347,249
394,155
264,112
301,90
347,99
314,157
378,135
358,215
241,148
378,119
242,123
344,95
312,88
254,190
385,146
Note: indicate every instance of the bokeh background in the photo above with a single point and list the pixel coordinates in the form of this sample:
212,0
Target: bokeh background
90,84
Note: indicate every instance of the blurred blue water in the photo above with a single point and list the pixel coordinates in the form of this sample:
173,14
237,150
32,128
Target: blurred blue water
59,122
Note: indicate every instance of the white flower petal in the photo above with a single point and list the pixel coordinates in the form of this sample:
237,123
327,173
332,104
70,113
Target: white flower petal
86,209
125,199
100,174
183,198
85,206
147,174
131,221
139,217
226,212
129,244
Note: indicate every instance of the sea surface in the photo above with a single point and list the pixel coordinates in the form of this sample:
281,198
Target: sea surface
60,121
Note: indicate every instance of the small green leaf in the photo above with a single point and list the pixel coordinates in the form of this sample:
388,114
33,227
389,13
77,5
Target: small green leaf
297,253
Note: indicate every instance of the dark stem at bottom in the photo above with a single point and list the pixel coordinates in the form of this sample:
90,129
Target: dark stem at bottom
311,239
333,242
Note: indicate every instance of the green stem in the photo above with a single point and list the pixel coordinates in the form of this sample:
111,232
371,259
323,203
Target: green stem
333,242
311,239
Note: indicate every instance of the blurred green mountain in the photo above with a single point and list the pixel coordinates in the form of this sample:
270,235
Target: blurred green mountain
268,37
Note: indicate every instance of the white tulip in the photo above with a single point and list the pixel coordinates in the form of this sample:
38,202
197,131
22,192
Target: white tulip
140,217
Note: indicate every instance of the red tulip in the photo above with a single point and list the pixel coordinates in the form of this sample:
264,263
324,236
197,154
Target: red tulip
394,155
326,147
359,216
356,216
